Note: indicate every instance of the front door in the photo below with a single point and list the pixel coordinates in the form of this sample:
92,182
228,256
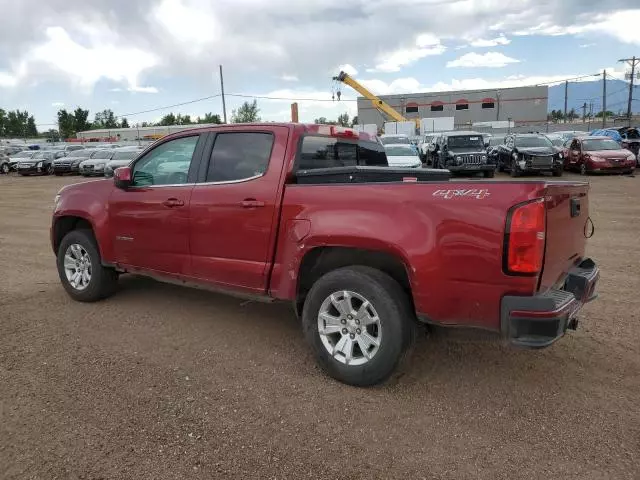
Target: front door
234,212
150,220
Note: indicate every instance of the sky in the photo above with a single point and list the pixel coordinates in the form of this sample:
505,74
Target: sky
134,56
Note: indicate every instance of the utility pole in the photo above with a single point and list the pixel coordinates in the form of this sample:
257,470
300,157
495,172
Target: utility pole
584,112
633,61
224,105
566,96
604,99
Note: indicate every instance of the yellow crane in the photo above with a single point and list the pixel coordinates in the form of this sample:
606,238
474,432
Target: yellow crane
377,103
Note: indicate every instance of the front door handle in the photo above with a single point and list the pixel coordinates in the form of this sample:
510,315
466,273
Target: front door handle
251,203
173,202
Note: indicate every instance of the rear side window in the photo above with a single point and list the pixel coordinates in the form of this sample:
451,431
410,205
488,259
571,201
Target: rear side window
329,152
239,156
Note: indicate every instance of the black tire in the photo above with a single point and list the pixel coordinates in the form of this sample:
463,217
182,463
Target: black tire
104,280
583,169
57,174
4,168
489,173
396,321
514,172
49,170
557,172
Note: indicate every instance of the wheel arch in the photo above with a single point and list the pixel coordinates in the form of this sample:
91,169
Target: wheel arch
64,224
323,259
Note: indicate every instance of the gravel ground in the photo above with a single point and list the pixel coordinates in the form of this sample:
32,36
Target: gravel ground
163,382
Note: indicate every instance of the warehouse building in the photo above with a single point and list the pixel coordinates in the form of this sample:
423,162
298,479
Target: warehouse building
521,105
135,133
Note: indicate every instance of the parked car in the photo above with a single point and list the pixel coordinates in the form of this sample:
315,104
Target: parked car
399,155
41,163
393,139
556,140
527,153
571,134
4,163
10,150
18,157
360,253
599,154
96,163
71,162
424,147
121,157
631,141
492,148
462,152
66,148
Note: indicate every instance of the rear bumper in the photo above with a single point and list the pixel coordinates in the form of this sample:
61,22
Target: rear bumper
540,320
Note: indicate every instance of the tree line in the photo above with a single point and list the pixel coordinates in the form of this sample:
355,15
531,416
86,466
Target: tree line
343,121
16,123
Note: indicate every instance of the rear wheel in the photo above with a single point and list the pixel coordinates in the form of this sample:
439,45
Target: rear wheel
358,322
49,169
80,269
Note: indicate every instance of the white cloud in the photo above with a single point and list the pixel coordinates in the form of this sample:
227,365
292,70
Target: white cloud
587,45
115,89
426,44
289,78
8,79
399,85
139,89
489,59
57,104
190,23
494,42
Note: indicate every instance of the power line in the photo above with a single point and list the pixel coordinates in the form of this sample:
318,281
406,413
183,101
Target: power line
262,97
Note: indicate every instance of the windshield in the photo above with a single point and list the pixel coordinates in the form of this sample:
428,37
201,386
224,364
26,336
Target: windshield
126,155
78,153
556,141
466,141
395,140
42,155
532,142
102,154
23,155
400,151
599,144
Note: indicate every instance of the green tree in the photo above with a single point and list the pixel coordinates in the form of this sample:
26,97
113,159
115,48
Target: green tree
52,135
168,119
324,121
105,119
209,118
343,120
609,114
354,121
183,119
3,122
80,118
32,130
66,123
572,115
124,123
146,124
247,113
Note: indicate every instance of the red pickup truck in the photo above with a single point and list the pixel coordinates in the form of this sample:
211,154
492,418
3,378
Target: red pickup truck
312,215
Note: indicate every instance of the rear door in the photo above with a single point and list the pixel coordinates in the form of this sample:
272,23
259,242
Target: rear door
568,225
235,208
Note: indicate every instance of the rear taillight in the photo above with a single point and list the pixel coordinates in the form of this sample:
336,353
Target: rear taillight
525,236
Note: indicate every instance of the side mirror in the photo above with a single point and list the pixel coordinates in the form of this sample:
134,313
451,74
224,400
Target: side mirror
122,177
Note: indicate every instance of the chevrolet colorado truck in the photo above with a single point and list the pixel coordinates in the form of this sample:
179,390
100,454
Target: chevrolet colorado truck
312,215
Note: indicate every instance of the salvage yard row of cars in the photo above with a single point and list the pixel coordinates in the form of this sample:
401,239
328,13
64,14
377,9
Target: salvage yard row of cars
68,158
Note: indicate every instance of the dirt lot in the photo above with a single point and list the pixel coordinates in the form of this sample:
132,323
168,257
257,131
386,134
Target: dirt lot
165,382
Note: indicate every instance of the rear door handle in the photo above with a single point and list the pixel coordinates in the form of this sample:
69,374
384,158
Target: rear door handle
251,203
173,202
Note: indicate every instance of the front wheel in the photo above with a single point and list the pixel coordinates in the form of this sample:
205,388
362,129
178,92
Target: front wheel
557,172
489,173
514,169
583,169
49,169
358,322
80,268
4,168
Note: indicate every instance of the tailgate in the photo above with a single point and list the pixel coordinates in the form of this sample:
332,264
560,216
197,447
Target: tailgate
567,226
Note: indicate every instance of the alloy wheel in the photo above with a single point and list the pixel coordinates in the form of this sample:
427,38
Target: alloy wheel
77,267
349,328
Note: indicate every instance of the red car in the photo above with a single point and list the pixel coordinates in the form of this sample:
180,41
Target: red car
598,155
297,213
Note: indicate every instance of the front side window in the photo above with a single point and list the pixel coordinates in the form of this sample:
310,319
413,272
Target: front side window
239,156
167,164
